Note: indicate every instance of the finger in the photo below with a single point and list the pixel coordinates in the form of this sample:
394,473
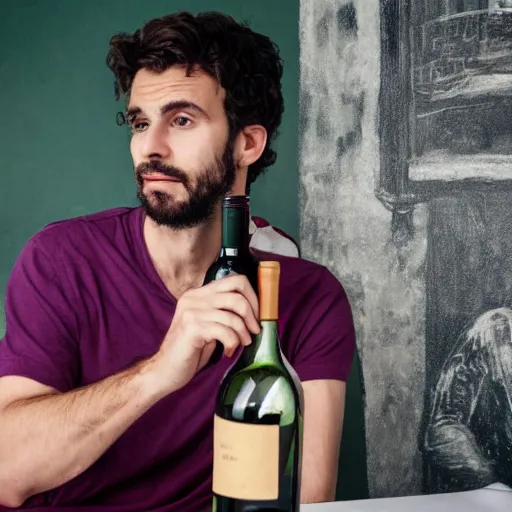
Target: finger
236,303
206,354
226,335
235,283
231,320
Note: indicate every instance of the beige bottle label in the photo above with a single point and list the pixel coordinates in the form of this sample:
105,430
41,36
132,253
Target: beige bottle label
245,460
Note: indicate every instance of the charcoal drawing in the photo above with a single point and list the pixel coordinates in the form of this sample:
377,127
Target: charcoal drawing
414,217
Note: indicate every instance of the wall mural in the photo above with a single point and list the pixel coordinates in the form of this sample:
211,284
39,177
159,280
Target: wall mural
406,194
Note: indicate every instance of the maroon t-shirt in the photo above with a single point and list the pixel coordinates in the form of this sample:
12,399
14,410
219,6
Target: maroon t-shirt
84,301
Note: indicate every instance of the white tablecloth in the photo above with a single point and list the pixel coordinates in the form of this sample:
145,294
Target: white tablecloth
495,498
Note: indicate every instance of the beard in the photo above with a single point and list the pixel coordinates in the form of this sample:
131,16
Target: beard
204,194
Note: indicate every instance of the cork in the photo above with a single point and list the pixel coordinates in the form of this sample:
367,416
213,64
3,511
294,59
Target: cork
268,289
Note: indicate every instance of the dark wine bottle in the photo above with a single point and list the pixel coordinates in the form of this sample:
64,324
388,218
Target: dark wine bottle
258,419
235,255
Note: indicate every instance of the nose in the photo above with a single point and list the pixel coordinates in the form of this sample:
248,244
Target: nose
156,144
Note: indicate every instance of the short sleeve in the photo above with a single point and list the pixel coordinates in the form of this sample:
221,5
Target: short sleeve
326,343
40,341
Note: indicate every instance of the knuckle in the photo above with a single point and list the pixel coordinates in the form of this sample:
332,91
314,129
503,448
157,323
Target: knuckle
242,280
246,308
187,316
238,323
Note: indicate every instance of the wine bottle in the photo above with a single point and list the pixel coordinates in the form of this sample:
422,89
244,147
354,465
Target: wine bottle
258,419
235,255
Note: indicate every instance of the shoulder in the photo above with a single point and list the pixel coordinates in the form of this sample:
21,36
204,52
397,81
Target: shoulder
57,237
317,328
311,296
304,277
67,247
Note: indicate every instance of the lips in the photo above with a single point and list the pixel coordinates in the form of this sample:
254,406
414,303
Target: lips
156,176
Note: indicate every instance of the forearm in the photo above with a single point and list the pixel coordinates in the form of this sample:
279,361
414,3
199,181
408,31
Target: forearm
46,441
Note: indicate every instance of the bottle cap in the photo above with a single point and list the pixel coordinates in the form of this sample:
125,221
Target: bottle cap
268,289
236,201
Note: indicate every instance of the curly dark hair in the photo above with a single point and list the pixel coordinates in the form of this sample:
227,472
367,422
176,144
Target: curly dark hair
246,64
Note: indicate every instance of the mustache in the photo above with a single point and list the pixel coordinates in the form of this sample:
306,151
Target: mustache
157,166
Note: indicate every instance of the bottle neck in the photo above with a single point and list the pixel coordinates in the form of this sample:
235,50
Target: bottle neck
235,226
265,348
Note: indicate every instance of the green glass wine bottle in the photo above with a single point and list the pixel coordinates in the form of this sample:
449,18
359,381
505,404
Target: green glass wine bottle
235,255
258,419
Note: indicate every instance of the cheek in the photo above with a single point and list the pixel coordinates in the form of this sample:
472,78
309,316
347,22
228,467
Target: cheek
135,149
194,149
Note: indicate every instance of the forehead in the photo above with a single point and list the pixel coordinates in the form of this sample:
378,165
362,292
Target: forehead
151,89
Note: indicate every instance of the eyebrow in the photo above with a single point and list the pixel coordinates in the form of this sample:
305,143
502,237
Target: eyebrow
168,107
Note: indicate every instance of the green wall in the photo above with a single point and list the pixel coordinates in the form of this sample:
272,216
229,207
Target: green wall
62,154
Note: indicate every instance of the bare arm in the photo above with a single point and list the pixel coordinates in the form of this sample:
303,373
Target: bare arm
66,433
324,406
47,438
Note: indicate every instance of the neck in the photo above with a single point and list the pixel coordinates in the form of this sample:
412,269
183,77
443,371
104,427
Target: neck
182,256
265,348
235,225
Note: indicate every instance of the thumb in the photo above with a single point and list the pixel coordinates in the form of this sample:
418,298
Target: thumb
206,354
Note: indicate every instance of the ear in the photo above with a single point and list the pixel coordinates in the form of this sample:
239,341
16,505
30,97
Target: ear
250,144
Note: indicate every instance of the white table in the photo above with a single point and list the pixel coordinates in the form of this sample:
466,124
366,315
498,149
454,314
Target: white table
495,498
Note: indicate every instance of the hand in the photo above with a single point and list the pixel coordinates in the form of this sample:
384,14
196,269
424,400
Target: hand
225,310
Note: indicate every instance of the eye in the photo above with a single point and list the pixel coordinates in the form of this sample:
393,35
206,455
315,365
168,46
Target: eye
138,126
182,121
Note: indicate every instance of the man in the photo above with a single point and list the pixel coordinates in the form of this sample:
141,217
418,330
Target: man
107,390
468,442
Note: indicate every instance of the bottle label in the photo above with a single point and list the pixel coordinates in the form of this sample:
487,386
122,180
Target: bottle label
245,460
